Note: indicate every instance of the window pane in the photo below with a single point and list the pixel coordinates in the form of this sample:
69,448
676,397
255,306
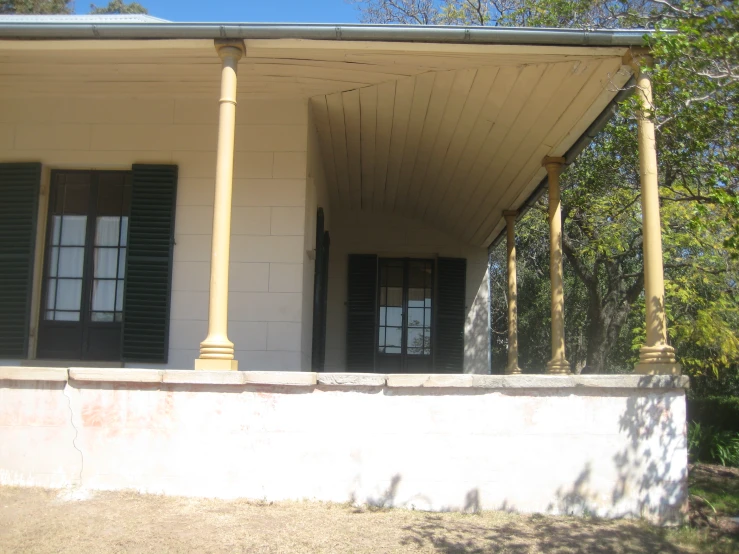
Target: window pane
73,230
393,336
394,297
50,294
103,296
122,263
124,230
70,261
102,316
416,298
415,341
416,317
68,294
53,261
119,297
56,224
394,316
76,196
106,262
106,231
67,316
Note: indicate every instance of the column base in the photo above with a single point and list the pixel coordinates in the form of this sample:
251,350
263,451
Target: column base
208,364
657,360
558,367
515,370
658,368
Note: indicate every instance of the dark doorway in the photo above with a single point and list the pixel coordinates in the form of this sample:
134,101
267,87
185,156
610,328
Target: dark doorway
320,293
84,268
405,315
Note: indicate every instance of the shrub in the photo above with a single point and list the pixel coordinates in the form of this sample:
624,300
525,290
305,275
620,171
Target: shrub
713,445
715,411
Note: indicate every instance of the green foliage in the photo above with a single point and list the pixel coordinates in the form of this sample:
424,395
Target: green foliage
720,412
42,7
118,7
712,445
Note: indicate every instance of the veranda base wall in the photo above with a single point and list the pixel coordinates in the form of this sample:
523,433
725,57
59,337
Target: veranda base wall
611,446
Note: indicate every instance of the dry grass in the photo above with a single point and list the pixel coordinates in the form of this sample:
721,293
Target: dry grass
39,520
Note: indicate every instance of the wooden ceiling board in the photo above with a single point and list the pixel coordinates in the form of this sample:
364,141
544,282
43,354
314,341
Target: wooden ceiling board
401,115
422,91
527,161
383,132
464,185
460,94
368,120
352,122
483,194
437,108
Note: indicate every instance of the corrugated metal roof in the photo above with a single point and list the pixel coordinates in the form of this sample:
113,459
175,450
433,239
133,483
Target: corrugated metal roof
89,18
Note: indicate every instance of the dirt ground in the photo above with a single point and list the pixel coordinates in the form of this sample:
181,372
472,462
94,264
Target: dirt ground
39,520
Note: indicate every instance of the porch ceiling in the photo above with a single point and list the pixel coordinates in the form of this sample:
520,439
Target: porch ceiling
456,147
448,133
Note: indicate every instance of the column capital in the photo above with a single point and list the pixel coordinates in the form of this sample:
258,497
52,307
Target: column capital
508,214
553,164
230,48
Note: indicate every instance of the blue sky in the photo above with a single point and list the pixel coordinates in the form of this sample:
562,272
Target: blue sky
275,11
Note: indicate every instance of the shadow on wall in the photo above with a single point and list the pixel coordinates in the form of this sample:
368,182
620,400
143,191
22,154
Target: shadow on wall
477,333
647,478
652,470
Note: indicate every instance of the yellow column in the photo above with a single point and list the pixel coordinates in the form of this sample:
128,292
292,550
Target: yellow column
216,351
558,365
656,356
512,367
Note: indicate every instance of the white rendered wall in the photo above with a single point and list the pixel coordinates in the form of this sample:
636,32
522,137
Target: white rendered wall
269,202
389,235
504,444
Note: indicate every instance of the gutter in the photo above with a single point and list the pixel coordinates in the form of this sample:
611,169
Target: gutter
349,32
582,143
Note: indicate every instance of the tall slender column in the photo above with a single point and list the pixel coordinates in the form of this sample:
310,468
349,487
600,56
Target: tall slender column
512,367
216,351
656,356
558,365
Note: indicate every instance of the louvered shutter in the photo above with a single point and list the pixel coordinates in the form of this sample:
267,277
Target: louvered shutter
320,294
149,263
19,192
361,313
450,315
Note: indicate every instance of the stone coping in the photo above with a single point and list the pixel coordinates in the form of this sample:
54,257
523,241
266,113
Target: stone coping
354,380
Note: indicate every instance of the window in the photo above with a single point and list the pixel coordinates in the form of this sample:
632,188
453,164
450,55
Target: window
405,313
85,265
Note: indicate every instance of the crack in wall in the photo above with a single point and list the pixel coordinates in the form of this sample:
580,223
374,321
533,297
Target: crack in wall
76,431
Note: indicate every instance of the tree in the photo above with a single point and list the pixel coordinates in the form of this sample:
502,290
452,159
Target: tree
695,110
42,7
118,7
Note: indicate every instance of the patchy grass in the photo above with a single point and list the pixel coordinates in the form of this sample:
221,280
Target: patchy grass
39,520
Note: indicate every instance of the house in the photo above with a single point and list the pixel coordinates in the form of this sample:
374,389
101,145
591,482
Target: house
310,205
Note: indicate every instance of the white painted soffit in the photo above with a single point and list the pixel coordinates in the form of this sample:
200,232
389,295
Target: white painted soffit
451,134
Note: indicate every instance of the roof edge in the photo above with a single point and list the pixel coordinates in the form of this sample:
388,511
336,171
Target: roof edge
349,32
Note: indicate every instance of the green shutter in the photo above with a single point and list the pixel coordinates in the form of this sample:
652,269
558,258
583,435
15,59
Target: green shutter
451,278
19,192
149,263
361,313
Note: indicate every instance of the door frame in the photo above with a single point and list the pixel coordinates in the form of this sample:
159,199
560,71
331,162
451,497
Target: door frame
403,356
87,267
